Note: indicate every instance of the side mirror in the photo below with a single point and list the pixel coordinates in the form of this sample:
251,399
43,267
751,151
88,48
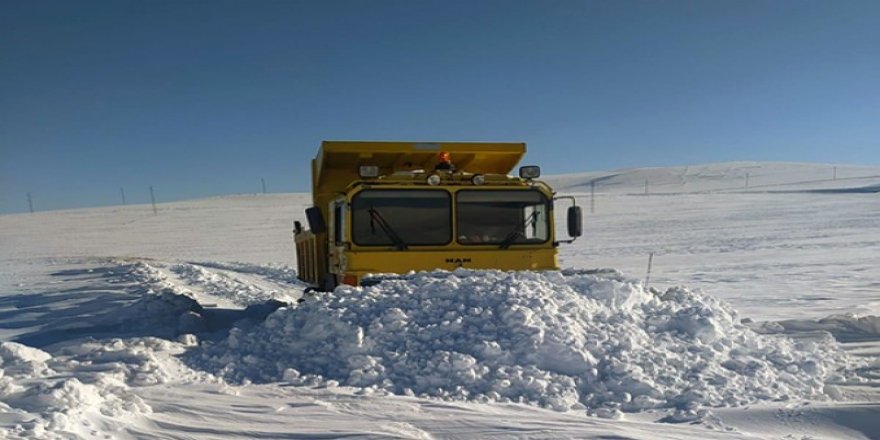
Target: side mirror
316,220
575,222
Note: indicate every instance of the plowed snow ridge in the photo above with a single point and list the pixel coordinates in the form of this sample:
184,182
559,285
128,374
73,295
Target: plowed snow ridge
548,339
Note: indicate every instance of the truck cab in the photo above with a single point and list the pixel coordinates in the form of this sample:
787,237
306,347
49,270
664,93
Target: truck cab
396,207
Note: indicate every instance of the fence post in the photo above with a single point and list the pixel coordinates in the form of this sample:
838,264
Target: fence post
153,200
30,203
122,192
264,184
648,273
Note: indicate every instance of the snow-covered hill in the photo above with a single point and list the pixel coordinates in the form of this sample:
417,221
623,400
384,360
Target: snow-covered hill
724,177
117,322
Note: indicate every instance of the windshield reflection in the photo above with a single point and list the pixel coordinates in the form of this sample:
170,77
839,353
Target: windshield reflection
502,217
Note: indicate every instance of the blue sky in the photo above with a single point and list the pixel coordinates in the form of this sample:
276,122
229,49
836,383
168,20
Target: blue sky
205,98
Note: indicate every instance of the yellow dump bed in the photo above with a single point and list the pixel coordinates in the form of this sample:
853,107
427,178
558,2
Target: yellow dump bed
337,162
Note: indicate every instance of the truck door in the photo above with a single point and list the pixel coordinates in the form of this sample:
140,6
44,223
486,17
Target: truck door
337,240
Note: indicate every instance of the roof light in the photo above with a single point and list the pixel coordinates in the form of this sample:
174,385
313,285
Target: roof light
478,179
368,171
530,172
445,162
433,180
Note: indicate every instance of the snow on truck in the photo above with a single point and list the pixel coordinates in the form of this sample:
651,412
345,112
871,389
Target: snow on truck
396,207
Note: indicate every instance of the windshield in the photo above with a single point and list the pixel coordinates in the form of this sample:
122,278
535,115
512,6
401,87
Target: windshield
401,217
502,217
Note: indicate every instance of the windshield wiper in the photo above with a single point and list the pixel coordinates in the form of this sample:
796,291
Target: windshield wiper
511,237
386,228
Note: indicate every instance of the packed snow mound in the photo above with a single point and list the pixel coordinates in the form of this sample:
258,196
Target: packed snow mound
17,360
215,280
42,396
166,310
165,313
81,388
563,341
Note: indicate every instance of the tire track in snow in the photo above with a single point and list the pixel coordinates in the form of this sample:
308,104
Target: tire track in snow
233,285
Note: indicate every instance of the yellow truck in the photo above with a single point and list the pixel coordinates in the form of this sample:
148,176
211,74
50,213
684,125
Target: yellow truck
396,207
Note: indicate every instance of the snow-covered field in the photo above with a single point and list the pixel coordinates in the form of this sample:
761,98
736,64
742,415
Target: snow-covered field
116,323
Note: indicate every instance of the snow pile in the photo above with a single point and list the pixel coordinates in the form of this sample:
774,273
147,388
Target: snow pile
165,314
166,310
17,360
218,283
563,341
124,362
273,271
43,399
234,284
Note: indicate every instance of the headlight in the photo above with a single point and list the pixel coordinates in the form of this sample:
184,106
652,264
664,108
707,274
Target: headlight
368,171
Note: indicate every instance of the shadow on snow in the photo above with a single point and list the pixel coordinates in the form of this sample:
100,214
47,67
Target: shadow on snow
108,302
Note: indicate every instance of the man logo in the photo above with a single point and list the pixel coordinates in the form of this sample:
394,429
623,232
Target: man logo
459,261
